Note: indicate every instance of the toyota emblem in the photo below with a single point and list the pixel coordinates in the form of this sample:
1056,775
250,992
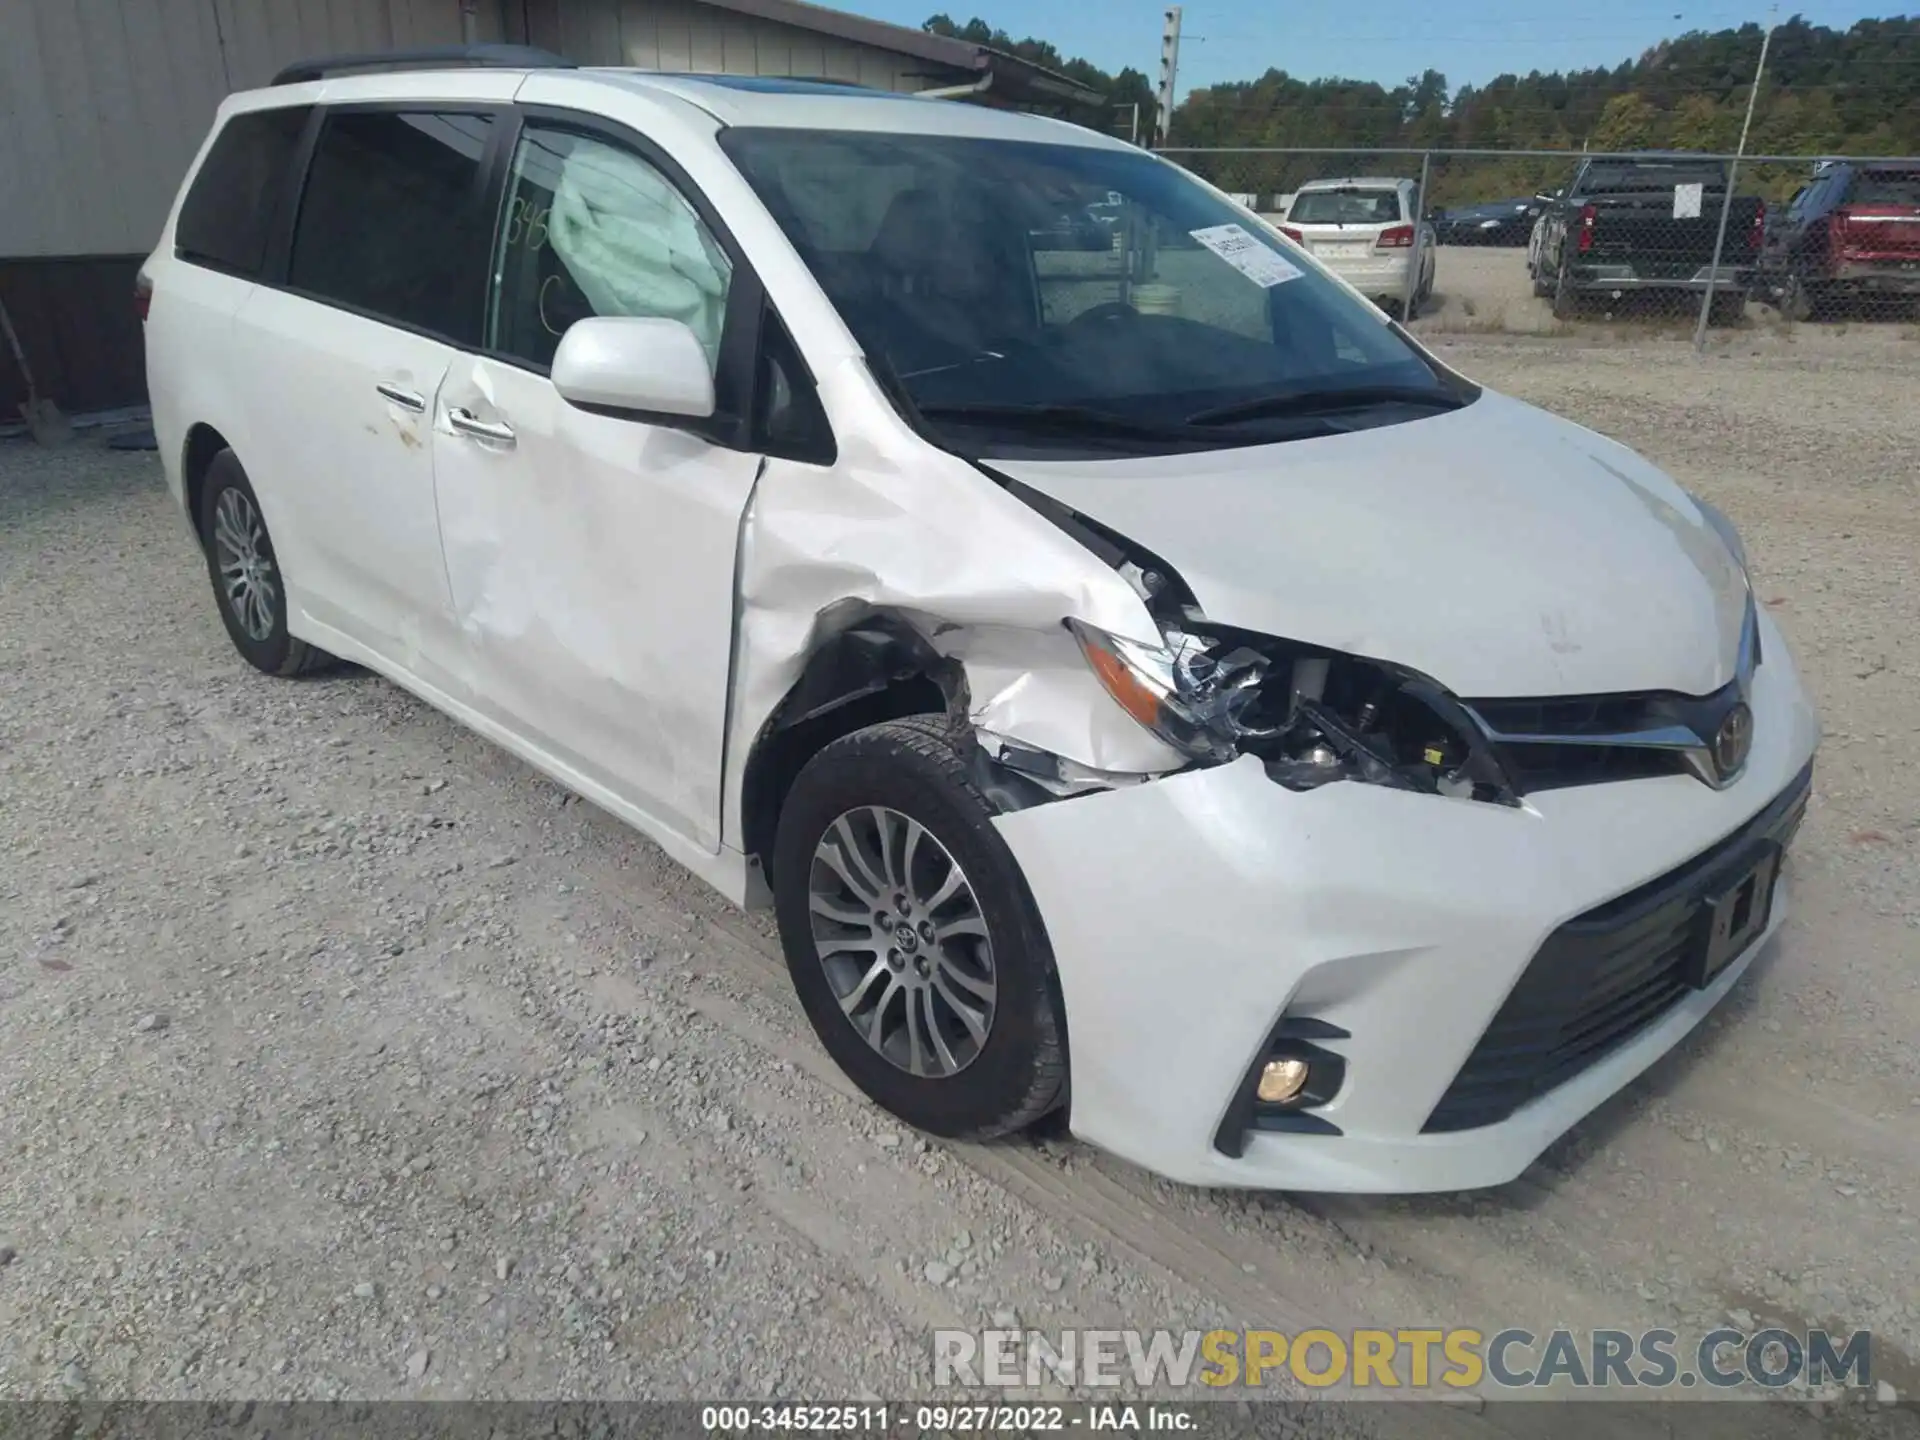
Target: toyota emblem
1733,740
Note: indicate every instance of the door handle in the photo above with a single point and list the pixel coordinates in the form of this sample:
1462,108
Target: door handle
406,399
468,423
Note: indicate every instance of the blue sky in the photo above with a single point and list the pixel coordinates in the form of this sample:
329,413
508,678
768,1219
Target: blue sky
1385,40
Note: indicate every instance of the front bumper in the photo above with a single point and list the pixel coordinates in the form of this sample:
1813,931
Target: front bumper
1190,916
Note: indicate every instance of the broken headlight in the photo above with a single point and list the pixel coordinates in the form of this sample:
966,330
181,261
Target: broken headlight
1312,716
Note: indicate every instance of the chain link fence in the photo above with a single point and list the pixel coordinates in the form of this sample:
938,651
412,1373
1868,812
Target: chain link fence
1552,242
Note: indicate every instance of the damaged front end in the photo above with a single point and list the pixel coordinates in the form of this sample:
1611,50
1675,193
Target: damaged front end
1039,645
1311,716
1210,693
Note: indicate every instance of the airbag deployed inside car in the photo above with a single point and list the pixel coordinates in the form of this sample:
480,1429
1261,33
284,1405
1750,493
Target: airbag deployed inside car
631,244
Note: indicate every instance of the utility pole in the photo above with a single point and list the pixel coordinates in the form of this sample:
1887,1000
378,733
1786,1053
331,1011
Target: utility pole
1733,173
1169,67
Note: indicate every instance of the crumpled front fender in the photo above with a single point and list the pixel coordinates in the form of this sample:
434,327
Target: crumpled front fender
898,527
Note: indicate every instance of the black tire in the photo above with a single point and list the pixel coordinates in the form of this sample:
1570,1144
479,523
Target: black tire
273,651
1566,299
1542,287
915,768
1802,301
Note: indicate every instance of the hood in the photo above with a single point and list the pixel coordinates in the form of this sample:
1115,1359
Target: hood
1499,549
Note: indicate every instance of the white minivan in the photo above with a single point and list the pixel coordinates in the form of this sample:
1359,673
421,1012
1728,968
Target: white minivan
1143,679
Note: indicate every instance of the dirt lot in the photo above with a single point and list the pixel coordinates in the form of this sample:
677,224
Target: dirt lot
340,1055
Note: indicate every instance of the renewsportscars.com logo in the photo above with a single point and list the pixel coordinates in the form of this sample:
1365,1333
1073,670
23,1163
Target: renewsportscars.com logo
1410,1359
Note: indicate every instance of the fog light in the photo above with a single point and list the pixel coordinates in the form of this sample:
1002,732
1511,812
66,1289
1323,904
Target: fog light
1281,1081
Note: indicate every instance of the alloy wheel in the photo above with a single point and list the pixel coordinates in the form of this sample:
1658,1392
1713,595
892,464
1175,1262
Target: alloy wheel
248,577
900,934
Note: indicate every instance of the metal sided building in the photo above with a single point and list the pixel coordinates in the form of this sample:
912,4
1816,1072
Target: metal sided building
103,104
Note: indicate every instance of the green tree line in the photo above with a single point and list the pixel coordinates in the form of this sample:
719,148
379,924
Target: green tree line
1827,92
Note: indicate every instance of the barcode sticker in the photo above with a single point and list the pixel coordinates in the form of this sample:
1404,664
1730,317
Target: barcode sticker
1687,200
1233,244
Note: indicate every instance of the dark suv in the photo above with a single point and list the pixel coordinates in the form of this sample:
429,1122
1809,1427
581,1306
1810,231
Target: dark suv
1852,233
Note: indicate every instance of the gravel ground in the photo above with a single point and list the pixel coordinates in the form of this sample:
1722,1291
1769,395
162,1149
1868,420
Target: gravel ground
340,1055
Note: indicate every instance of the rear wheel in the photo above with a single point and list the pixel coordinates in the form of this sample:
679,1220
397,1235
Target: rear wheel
248,584
1537,268
1801,300
913,943
1566,299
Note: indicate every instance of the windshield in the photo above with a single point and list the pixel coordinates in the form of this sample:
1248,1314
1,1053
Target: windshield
1000,282
1345,207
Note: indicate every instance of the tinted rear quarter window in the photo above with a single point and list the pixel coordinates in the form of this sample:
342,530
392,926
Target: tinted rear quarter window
227,219
391,222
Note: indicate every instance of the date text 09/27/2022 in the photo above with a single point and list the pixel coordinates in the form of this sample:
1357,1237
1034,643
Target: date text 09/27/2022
945,1419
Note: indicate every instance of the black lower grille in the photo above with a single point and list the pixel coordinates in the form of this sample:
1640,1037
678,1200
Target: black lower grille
1561,767
1602,976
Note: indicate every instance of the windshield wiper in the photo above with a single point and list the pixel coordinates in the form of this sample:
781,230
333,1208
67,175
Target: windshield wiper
1065,419
1325,402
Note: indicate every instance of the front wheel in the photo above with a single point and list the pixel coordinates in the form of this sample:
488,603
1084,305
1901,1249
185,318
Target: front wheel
913,943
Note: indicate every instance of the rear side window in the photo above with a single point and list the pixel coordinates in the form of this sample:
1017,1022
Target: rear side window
227,219
391,221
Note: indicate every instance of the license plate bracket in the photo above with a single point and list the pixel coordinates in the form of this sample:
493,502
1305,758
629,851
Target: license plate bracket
1734,916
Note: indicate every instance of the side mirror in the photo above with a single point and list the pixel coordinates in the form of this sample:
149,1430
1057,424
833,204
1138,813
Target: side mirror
653,367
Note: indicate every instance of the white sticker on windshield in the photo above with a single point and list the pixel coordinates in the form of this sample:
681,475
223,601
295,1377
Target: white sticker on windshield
1687,200
1235,245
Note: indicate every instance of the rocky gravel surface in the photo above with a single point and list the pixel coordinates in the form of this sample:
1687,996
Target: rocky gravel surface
343,1056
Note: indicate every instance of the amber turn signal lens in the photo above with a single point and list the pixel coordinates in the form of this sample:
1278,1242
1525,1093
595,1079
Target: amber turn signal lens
1125,687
